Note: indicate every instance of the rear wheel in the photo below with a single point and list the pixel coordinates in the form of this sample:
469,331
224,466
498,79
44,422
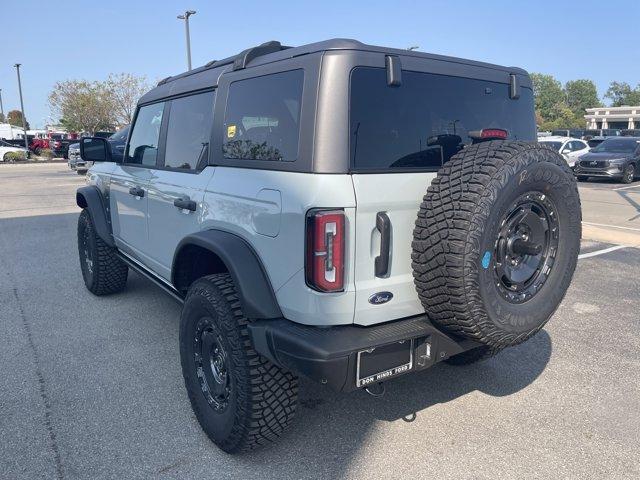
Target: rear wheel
496,241
240,398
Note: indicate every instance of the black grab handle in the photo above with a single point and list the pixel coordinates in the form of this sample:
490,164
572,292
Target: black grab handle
185,204
383,224
136,192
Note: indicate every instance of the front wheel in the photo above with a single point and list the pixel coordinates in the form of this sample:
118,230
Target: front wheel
629,174
240,398
103,272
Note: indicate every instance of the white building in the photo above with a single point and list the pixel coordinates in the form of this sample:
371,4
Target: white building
613,117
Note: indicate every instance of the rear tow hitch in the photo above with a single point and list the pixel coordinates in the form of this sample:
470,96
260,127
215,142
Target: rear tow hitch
376,390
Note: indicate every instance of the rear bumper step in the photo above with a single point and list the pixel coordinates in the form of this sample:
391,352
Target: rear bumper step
329,355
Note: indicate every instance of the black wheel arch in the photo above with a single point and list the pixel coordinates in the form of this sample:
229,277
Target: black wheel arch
91,198
226,252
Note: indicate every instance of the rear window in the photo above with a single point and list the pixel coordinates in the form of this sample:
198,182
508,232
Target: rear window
425,121
262,120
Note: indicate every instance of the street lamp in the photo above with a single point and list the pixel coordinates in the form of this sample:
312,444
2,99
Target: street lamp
24,122
1,107
185,17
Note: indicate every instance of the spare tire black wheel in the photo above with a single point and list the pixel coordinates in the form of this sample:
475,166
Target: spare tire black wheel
496,241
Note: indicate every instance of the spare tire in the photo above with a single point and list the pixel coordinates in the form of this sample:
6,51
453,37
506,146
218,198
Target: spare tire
496,241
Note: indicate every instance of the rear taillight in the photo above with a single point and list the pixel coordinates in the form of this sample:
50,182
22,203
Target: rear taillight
489,134
325,250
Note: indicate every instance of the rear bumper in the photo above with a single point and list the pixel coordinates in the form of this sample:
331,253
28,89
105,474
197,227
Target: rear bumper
329,354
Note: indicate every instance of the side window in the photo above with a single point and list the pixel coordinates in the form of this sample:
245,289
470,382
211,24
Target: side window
262,119
143,145
188,131
578,146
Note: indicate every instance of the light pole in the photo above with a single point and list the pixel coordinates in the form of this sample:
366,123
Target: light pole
1,107
185,17
24,122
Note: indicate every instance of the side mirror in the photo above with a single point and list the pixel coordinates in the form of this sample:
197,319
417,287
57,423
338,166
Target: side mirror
94,149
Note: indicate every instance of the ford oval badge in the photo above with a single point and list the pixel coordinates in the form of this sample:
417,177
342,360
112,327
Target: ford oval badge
380,297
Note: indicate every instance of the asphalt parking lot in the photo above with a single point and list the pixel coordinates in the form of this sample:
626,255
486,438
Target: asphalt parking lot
90,387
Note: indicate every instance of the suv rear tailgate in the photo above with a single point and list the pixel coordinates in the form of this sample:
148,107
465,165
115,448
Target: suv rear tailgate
399,196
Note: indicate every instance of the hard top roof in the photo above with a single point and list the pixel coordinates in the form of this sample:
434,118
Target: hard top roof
207,75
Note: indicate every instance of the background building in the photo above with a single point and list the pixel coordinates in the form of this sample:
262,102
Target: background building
613,117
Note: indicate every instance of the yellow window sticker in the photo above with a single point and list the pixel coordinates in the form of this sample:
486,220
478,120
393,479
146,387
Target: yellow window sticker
231,131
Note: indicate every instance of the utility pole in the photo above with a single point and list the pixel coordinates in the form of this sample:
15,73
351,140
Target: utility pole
24,122
185,17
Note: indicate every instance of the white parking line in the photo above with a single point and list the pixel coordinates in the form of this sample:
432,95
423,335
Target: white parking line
611,226
628,186
600,252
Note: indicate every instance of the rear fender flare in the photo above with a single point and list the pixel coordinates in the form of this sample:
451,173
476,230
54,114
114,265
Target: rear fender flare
252,283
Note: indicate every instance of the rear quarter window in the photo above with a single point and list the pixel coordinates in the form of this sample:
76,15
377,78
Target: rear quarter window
262,118
426,120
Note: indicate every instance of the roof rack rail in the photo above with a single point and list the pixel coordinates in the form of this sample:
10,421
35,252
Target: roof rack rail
243,58
164,80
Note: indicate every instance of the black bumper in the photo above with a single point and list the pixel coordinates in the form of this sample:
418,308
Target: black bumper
329,354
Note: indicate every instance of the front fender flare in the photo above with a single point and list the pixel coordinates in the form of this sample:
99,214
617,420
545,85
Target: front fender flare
252,283
90,197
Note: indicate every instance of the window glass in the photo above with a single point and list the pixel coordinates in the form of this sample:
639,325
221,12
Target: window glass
188,132
143,145
425,121
262,121
577,146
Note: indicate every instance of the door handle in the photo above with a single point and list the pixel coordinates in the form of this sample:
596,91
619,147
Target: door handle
185,204
136,192
383,224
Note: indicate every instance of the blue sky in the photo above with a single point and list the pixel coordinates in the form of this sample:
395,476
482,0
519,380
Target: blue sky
89,40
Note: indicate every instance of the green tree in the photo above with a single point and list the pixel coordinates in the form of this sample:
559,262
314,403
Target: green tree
2,119
581,94
124,91
84,106
621,93
548,95
14,117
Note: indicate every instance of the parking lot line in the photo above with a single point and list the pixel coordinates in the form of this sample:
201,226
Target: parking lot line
611,226
627,187
601,252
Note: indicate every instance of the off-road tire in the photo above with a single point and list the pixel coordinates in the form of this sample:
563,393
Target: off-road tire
103,272
474,355
262,397
456,235
629,174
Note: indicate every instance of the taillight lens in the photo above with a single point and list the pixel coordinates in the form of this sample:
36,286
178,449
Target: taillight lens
325,250
494,133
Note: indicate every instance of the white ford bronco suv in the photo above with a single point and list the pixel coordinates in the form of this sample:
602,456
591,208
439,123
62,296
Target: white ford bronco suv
341,211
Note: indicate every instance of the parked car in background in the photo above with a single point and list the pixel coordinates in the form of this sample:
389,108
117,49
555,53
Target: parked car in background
569,132
602,132
570,148
39,144
73,155
630,132
616,158
103,134
59,144
595,141
5,148
117,141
